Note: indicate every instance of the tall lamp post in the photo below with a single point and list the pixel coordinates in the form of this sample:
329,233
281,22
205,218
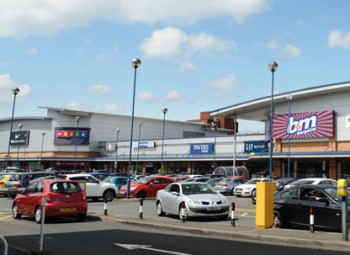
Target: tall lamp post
116,152
165,110
138,147
76,143
273,67
41,151
20,125
15,92
135,64
289,98
214,126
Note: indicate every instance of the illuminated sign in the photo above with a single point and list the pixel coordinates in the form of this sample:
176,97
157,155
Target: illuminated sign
304,125
72,136
202,148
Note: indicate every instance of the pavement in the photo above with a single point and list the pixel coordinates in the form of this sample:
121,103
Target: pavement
127,211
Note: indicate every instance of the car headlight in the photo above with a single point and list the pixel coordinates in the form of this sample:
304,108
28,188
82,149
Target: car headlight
194,202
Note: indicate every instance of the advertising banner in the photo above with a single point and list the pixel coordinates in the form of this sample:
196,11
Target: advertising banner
304,125
72,136
202,148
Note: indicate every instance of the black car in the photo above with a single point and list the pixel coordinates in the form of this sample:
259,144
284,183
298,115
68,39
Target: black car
292,207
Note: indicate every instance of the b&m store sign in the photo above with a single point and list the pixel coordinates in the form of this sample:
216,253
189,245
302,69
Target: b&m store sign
72,136
304,125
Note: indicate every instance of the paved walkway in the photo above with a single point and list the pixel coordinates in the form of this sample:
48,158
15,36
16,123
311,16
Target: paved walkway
127,212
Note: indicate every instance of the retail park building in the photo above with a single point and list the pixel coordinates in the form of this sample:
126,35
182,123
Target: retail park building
310,130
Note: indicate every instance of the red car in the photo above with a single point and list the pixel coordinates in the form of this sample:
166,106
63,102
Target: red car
146,187
63,198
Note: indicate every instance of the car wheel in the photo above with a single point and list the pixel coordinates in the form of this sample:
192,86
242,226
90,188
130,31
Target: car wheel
254,196
142,194
109,195
277,219
232,192
15,213
38,215
160,209
81,217
183,213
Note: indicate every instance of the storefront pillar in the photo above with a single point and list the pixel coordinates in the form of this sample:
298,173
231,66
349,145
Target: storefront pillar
333,169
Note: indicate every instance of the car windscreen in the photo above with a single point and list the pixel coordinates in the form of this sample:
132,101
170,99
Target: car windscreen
252,181
200,188
332,191
65,187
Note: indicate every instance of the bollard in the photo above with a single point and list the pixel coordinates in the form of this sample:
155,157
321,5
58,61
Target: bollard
312,220
182,212
105,206
233,218
141,209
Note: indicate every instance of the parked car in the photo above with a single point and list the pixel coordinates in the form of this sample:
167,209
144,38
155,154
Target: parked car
247,189
63,198
213,181
19,181
197,179
146,187
198,200
312,181
118,181
101,175
227,185
292,207
95,189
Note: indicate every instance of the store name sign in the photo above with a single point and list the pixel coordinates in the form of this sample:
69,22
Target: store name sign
254,146
304,125
201,148
72,136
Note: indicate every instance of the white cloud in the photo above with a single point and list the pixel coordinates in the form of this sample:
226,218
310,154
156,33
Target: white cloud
32,51
292,50
75,106
100,89
227,82
20,18
146,96
337,39
113,108
175,45
173,95
6,86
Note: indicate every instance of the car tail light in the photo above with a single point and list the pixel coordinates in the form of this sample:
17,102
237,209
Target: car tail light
18,183
224,185
2,183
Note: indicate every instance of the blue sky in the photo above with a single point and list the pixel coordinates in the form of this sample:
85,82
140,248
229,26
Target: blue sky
196,55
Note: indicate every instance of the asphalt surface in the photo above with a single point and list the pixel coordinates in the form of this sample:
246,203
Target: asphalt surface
127,211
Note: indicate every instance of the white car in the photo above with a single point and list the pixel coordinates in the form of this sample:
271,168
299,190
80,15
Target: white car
95,188
312,181
247,189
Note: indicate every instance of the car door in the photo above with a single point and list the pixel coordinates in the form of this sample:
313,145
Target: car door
171,198
28,199
156,184
93,187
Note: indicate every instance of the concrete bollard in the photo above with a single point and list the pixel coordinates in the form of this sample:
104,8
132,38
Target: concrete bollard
141,209
105,206
312,220
233,218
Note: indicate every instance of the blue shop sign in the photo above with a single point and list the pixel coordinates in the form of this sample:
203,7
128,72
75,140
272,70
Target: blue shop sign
202,148
254,146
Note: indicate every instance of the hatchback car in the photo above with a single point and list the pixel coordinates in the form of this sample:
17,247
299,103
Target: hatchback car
247,189
146,187
197,199
292,207
63,198
227,185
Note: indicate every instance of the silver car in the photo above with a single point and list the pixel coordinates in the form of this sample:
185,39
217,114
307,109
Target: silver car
192,199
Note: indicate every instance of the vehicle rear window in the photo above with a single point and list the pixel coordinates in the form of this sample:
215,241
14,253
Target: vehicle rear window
64,187
15,177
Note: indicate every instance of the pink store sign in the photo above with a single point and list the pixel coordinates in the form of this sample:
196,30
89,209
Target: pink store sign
304,125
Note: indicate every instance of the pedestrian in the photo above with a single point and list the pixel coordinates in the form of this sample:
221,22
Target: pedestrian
25,182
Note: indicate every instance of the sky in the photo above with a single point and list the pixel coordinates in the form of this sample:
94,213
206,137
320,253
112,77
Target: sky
197,55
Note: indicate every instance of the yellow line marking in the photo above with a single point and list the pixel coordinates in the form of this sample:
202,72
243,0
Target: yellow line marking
6,217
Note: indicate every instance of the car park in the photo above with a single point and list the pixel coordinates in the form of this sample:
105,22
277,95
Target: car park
312,181
196,199
213,181
292,207
62,197
95,189
227,185
146,187
247,189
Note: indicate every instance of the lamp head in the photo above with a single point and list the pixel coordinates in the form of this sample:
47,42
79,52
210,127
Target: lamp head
77,118
118,130
165,110
20,125
140,124
15,91
136,62
289,97
273,66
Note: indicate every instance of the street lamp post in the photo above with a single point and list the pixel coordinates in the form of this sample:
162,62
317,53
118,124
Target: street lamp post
15,92
41,151
138,147
214,124
135,64
165,110
289,98
20,125
76,142
273,67
116,152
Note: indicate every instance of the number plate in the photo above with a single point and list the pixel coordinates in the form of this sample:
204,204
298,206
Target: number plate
68,209
214,208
